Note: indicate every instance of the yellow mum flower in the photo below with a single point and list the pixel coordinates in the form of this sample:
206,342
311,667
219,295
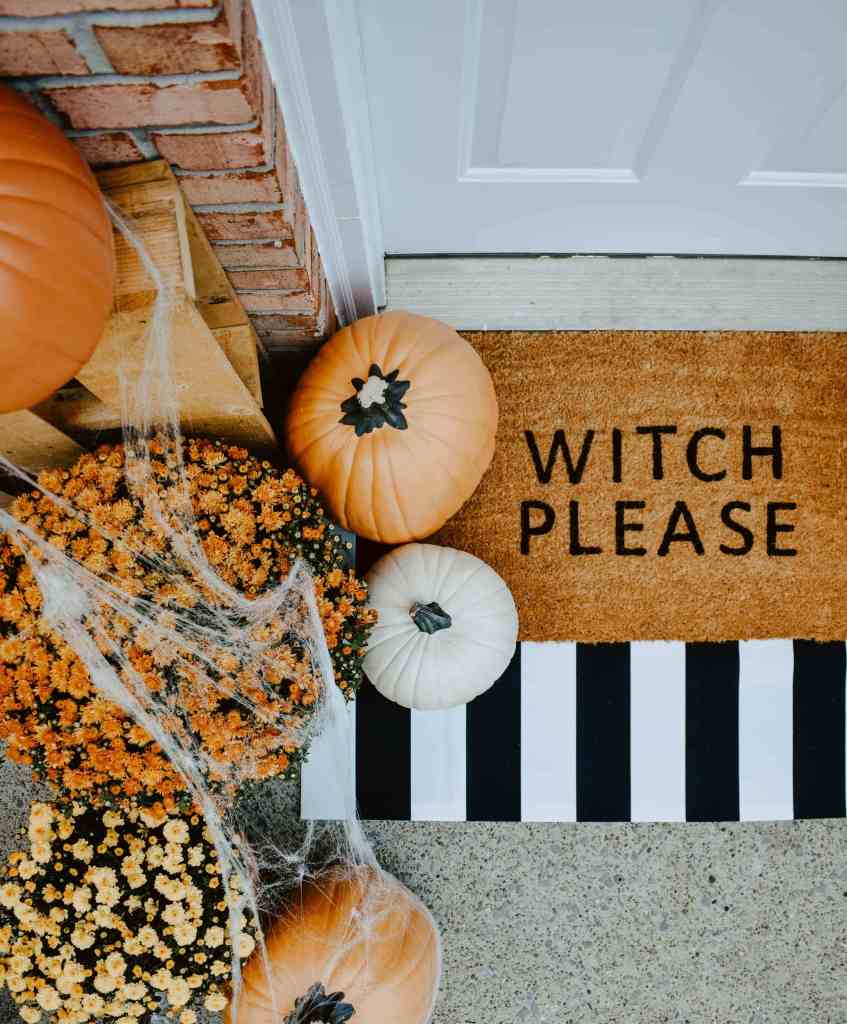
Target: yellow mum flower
174,913
155,856
185,934
179,992
108,895
40,833
215,1001
41,813
27,868
15,983
10,894
111,819
48,998
82,938
188,1017
246,944
82,899
176,831
92,1004
147,937
214,936
82,850
161,979
105,983
29,1014
115,965
18,964
103,917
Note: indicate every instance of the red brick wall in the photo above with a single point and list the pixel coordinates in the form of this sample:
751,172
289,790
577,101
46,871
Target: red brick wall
131,80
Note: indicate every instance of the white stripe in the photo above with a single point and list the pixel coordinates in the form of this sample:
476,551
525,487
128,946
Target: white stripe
439,756
328,778
765,730
548,732
657,689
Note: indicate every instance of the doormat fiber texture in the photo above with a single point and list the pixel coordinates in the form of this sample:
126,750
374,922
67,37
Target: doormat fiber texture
666,485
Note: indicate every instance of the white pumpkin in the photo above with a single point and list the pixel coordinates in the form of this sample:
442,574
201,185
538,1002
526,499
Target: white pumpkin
447,627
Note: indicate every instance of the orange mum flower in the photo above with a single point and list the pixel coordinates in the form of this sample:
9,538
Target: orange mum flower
253,522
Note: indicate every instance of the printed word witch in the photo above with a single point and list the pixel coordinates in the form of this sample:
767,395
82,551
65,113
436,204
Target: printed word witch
705,456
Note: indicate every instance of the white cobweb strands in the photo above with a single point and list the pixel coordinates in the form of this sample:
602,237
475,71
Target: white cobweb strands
218,642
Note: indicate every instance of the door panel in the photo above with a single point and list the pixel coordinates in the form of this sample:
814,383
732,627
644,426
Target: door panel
553,126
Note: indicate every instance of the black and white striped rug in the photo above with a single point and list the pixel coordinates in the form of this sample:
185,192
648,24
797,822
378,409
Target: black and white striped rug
610,732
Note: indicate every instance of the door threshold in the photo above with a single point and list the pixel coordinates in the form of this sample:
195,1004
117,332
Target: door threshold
659,293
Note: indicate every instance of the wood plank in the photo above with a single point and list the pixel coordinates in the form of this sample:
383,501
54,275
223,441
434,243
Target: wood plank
221,308
241,347
156,210
145,192
662,293
213,399
33,444
216,297
76,412
134,174
158,230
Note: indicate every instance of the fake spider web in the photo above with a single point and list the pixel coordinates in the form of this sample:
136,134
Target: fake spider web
253,827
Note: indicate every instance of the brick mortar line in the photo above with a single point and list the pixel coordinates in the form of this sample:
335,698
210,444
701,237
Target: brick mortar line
210,128
88,47
30,82
239,207
180,129
256,169
277,244
108,19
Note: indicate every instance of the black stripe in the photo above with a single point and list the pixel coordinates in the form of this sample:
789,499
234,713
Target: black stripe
602,732
494,749
711,731
819,672
383,735
383,756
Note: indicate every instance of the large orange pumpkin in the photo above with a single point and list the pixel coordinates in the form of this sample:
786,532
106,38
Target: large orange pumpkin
394,422
354,939
57,265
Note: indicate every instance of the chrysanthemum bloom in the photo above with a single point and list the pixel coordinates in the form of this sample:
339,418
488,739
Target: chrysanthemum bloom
231,692
78,940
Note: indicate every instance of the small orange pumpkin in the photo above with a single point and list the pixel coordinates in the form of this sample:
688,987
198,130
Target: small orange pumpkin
394,422
57,266
355,939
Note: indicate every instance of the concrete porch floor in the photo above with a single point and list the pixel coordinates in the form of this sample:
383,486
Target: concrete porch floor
596,924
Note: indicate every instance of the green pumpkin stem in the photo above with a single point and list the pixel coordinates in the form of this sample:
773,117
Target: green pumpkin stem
365,412
429,618
318,1006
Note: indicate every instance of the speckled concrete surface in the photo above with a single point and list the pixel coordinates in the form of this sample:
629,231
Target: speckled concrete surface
643,924
592,924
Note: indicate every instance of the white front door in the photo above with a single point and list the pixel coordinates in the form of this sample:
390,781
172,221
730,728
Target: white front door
609,126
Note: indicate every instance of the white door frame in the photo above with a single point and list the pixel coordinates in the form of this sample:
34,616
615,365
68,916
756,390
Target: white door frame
314,54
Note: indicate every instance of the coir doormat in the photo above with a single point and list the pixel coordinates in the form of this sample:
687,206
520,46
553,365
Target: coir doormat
666,485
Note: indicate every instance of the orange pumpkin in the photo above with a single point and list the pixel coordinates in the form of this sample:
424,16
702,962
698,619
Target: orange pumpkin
394,422
57,266
355,938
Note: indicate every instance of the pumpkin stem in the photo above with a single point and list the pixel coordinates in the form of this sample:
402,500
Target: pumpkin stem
320,1007
377,402
429,618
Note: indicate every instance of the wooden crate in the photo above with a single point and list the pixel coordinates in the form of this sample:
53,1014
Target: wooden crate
214,346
